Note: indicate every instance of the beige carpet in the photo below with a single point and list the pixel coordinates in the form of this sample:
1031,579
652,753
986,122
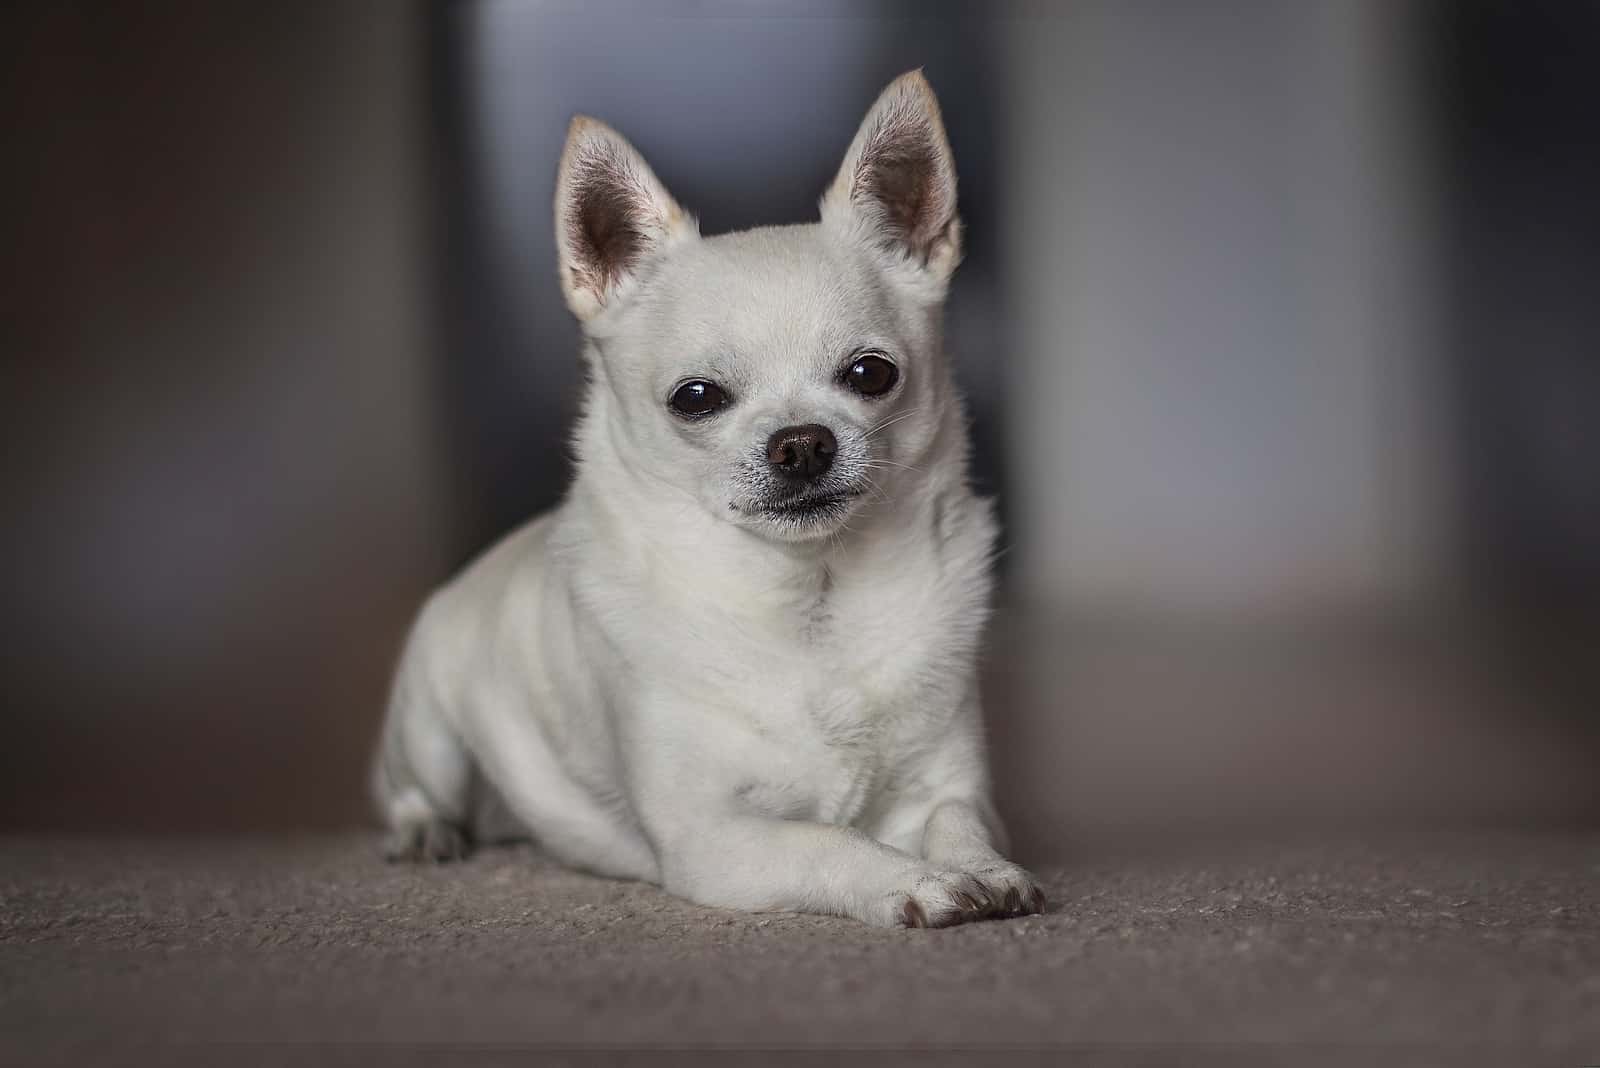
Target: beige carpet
1436,949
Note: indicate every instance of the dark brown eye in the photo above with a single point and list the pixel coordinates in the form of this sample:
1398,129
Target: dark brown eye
871,375
697,398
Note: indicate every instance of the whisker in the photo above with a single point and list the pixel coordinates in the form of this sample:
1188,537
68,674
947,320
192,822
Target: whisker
874,489
891,421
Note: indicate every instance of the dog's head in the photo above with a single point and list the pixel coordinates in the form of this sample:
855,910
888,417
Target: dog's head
782,376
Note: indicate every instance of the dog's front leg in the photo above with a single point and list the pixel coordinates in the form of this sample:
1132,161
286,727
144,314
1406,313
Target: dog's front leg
957,837
753,862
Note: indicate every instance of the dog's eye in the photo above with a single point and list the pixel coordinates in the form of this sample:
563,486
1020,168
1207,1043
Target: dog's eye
697,398
871,375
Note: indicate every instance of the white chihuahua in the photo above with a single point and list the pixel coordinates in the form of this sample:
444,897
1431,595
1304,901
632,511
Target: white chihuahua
739,659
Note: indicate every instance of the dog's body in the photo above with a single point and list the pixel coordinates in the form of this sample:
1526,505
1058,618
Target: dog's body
739,660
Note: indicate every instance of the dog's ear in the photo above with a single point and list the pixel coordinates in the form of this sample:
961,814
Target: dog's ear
611,214
897,185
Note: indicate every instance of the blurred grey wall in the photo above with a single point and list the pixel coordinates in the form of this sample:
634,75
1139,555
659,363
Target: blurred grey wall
1221,255
1282,559
222,461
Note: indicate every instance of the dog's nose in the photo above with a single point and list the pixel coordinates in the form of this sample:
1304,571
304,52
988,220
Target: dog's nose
801,452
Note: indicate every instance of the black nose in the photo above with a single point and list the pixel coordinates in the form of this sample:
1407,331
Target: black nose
801,452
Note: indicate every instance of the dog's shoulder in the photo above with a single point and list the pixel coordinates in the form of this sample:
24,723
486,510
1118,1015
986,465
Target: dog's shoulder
488,599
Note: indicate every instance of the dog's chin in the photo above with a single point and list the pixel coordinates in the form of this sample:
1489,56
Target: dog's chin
805,518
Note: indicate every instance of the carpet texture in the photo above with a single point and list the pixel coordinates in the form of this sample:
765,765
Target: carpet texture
1422,949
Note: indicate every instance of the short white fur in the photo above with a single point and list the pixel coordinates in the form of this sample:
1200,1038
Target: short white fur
670,678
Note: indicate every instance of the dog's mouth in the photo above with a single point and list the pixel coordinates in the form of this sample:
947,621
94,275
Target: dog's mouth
812,506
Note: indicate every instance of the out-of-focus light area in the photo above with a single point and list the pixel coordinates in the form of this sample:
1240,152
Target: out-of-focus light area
1279,326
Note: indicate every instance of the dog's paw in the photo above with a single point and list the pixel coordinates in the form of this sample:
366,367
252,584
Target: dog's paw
938,899
1013,890
427,841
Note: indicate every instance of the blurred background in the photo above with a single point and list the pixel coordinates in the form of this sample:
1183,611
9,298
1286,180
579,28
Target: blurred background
1280,327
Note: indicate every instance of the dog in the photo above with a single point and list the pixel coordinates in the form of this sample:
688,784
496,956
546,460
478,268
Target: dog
740,659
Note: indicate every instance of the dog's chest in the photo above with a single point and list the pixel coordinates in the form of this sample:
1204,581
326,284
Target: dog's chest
839,705
822,752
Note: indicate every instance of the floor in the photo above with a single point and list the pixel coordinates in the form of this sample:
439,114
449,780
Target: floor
1417,949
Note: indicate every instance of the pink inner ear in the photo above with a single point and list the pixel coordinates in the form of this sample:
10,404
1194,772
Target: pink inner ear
901,170
605,227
